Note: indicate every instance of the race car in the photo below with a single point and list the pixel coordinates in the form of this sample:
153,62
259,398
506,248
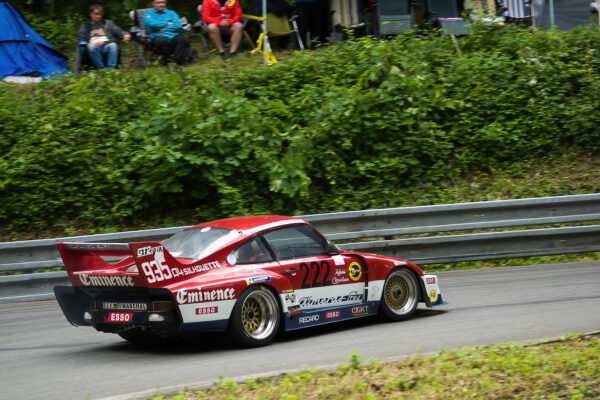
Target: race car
248,276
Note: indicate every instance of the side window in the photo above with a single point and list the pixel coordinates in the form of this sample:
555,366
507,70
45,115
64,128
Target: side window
251,252
296,242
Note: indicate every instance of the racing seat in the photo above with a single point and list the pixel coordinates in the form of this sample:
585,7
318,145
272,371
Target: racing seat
147,52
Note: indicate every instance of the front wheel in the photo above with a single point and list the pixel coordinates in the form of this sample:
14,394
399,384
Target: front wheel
400,295
255,317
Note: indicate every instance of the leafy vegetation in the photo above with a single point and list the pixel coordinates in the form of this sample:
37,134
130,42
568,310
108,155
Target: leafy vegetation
564,369
366,124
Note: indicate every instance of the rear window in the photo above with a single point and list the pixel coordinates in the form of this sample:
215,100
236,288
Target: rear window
198,243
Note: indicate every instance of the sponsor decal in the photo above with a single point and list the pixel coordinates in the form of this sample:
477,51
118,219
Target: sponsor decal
255,279
397,263
341,276
337,280
102,280
290,298
148,251
310,301
308,319
207,310
293,310
355,271
108,305
118,317
430,280
287,291
433,295
360,310
186,296
333,314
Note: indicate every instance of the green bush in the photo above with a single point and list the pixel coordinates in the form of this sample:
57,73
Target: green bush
349,127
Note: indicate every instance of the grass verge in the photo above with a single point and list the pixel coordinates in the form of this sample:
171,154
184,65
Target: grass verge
568,368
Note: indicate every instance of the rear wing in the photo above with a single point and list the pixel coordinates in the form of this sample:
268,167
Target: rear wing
146,264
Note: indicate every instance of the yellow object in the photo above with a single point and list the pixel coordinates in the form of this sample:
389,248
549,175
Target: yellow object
269,56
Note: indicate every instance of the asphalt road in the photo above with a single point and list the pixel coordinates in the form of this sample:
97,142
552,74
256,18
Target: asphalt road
43,357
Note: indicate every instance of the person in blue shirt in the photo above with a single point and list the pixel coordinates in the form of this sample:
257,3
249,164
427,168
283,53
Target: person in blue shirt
163,27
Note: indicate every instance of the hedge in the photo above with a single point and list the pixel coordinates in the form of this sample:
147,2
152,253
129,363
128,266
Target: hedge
347,127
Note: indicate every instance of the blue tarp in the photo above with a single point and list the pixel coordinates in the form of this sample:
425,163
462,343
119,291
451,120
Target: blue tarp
22,50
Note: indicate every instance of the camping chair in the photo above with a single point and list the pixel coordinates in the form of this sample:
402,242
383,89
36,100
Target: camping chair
345,15
444,15
83,61
278,26
393,17
201,28
142,40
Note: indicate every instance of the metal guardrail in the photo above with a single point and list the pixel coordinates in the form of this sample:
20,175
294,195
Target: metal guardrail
382,224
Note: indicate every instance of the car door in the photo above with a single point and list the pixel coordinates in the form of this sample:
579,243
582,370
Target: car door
320,279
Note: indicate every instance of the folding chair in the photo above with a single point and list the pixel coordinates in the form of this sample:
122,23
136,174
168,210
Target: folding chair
345,15
201,28
278,26
82,60
142,40
393,17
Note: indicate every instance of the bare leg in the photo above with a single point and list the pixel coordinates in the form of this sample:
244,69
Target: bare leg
236,36
214,34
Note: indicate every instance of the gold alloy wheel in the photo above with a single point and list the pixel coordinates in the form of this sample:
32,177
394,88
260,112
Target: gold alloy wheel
259,314
400,292
251,316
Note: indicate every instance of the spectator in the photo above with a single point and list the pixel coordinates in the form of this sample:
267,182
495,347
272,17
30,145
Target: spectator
101,38
163,27
223,17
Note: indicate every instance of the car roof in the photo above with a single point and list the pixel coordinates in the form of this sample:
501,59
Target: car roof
253,224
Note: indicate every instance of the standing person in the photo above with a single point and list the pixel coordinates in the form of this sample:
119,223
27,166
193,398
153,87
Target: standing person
101,38
313,20
163,27
223,17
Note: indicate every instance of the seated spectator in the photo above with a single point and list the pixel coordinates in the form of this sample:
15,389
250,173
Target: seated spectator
101,38
163,27
223,17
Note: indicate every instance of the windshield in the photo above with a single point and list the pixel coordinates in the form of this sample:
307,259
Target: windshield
198,243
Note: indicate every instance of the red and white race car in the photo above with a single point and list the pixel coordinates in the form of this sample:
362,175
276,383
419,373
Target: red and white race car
249,276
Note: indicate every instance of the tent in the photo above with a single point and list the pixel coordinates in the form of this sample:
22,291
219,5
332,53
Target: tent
23,52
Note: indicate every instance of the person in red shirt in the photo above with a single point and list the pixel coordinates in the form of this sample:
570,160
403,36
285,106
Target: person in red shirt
223,17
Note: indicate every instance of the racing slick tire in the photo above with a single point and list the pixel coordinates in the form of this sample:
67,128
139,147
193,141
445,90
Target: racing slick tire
255,317
400,295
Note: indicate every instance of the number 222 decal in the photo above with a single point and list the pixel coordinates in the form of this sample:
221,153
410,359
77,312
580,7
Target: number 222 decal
315,283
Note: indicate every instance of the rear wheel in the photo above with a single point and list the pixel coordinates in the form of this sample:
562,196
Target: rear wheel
255,317
400,295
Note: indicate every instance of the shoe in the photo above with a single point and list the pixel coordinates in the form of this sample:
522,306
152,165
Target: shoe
223,55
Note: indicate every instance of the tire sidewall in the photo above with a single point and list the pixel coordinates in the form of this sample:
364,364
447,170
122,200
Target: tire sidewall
236,329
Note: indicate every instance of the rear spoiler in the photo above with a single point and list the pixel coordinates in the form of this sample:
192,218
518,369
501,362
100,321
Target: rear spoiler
141,264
